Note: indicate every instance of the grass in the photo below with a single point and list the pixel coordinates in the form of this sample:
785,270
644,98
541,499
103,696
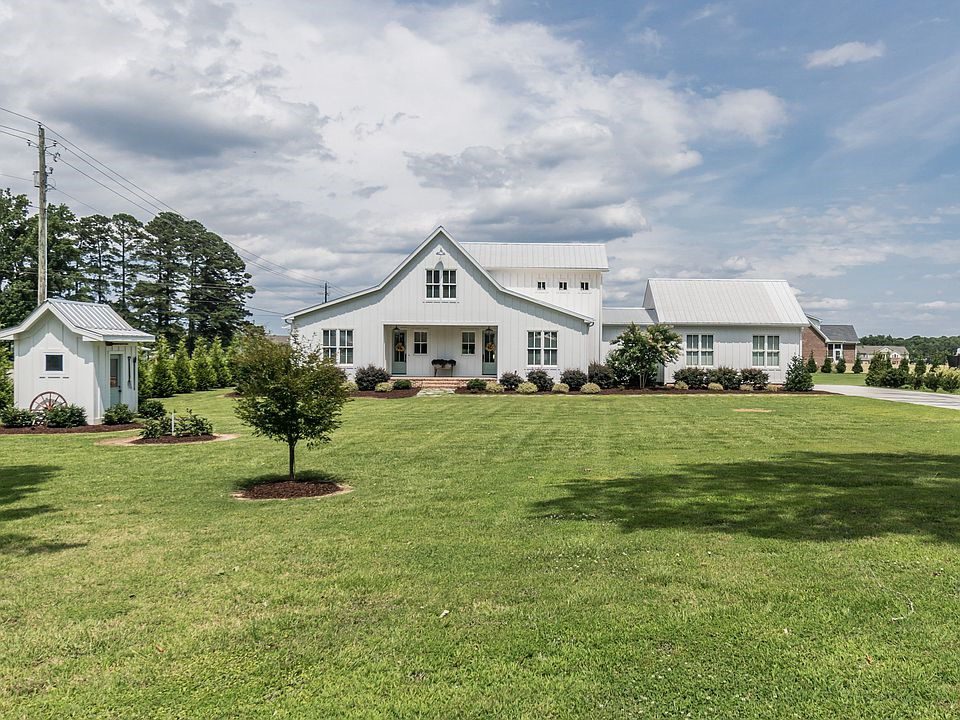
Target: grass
847,378
508,557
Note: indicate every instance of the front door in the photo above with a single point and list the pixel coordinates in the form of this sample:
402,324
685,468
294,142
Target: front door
115,365
399,365
489,352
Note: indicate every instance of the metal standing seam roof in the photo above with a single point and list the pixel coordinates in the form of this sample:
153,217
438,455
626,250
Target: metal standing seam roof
93,318
625,316
839,333
724,302
572,256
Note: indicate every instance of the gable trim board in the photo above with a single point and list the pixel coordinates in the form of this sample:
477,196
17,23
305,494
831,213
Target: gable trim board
524,288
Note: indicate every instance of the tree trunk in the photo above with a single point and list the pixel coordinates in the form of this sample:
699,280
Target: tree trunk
292,447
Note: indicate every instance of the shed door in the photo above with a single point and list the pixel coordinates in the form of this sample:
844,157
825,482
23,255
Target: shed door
116,364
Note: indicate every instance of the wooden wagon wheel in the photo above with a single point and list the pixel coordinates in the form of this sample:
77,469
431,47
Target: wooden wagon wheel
47,401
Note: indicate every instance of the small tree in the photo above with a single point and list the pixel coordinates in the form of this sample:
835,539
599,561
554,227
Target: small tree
877,372
162,381
811,364
144,376
919,371
799,378
857,365
827,366
221,367
640,353
841,366
288,393
6,381
182,369
203,370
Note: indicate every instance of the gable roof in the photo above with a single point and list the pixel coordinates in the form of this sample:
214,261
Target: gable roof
570,256
724,302
840,333
92,321
409,259
874,349
625,316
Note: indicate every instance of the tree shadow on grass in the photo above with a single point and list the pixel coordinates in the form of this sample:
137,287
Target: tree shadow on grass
311,476
16,483
804,496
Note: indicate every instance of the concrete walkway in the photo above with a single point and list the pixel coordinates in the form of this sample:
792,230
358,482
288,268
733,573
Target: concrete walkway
941,400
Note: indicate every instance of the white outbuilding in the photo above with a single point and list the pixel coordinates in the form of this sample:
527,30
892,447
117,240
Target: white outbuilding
79,353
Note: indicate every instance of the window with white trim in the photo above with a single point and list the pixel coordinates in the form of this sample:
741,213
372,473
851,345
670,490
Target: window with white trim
699,350
562,285
53,362
766,350
433,283
449,284
541,284
338,346
468,342
584,285
542,347
420,342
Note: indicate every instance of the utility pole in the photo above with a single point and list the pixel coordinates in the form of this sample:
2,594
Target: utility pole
324,292
41,183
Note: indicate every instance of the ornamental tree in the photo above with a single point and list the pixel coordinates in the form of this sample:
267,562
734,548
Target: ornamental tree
841,366
288,393
811,364
798,378
203,371
857,365
640,353
827,366
182,368
162,382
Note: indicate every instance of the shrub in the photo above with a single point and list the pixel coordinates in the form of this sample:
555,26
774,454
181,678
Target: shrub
841,367
877,373
811,364
156,427
725,377
798,377
510,380
693,378
639,353
65,416
755,377
476,385
773,388
151,409
183,369
857,365
680,385
601,375
350,386
747,387
919,367
542,379
118,414
402,384
204,373
896,377
715,387
561,388
574,379
14,417
931,381
162,381
221,367
590,388
6,379
526,388
190,425
827,366
950,380
494,387
383,387
368,377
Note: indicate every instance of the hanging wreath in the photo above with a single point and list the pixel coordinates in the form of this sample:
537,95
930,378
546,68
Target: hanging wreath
399,347
489,347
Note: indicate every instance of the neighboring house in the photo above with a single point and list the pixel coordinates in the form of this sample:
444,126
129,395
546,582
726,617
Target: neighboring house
75,352
496,307
833,341
896,353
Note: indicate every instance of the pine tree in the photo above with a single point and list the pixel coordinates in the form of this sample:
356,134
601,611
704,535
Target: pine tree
220,364
841,366
6,382
183,368
157,294
919,371
217,286
857,365
93,240
162,381
18,274
811,364
128,235
798,378
203,370
827,366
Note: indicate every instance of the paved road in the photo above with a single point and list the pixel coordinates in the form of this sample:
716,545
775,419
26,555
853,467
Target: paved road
941,400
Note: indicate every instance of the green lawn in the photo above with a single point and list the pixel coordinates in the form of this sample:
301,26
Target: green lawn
835,379
500,557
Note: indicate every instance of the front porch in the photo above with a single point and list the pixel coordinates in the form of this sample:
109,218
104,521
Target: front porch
427,352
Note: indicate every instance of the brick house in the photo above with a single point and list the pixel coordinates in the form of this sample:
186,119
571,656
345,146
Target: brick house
835,341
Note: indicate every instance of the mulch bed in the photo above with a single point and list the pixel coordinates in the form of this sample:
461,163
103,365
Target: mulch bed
43,430
392,395
172,440
651,391
286,489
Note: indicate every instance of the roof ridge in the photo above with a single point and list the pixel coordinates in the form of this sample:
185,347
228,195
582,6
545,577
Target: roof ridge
493,242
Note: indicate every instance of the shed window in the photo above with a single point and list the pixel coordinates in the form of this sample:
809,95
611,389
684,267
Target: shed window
699,350
766,350
53,362
542,347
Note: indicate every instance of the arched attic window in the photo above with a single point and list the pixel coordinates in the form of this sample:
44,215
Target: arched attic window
441,283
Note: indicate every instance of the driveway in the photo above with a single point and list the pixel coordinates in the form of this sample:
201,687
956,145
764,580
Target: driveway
941,400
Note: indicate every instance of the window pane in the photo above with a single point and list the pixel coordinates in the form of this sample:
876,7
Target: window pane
758,343
693,357
706,357
758,358
693,342
346,356
550,339
706,342
533,357
533,339
773,342
549,357
346,338
54,363
773,358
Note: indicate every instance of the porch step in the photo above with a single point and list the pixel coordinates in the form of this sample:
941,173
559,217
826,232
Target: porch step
449,383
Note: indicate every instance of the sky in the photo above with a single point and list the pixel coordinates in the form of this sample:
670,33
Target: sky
813,141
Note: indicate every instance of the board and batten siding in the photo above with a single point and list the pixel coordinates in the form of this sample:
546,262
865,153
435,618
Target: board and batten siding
402,302
733,347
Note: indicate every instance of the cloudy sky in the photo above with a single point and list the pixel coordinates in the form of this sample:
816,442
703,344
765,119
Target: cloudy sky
814,141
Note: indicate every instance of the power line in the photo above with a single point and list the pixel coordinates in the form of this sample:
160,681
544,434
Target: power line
18,137
16,129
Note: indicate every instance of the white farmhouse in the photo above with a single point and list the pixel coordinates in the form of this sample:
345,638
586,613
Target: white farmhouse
496,307
75,352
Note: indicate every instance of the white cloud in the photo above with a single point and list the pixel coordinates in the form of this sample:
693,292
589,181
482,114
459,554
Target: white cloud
844,54
940,305
824,303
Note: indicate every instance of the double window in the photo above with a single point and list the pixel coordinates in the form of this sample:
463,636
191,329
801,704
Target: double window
766,350
468,342
542,347
420,342
699,350
441,283
584,285
338,346
562,285
541,284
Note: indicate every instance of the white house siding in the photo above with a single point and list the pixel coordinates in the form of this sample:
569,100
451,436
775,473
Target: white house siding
585,302
733,347
479,303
